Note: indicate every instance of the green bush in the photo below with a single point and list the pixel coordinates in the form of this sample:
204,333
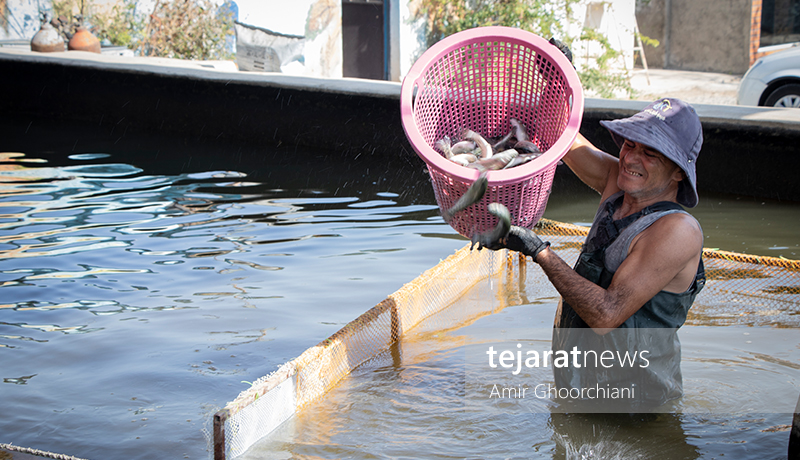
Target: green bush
184,29
546,18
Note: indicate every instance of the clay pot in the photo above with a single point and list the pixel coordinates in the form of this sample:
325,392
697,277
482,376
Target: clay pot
83,40
47,40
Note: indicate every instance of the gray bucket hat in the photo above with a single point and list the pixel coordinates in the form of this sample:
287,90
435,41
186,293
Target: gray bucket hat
672,127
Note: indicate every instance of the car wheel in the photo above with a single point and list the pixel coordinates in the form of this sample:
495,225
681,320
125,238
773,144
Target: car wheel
785,96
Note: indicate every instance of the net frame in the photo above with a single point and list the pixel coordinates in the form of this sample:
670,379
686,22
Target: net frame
273,399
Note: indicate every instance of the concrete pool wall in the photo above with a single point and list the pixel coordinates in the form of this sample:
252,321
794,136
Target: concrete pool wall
747,150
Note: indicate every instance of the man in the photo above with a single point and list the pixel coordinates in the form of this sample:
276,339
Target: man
640,267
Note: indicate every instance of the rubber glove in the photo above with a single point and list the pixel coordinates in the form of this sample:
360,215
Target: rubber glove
563,47
517,239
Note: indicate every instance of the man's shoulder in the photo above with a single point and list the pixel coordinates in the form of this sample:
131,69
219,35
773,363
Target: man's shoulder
679,220
678,227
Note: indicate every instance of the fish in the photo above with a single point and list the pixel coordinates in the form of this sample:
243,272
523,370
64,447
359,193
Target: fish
503,142
496,162
518,130
467,146
473,194
527,147
500,230
477,152
523,158
443,145
463,159
460,158
483,144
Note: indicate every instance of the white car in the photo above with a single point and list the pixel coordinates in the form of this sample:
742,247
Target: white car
773,80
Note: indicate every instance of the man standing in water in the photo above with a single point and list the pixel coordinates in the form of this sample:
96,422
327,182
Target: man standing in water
640,267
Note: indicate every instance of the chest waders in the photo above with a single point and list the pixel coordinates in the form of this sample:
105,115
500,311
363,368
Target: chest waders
651,372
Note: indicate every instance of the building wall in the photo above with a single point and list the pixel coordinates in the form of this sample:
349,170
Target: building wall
612,18
411,37
650,17
19,19
323,51
319,21
709,36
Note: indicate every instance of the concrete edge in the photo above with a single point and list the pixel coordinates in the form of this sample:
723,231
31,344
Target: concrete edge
744,116
224,71
220,71
746,150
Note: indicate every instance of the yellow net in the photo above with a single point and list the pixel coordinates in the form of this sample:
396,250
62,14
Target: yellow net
740,289
274,398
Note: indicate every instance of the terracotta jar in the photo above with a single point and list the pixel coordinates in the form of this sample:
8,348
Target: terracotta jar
83,40
47,39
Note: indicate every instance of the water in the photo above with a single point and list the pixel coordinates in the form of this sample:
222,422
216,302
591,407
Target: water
143,281
138,292
429,397
742,224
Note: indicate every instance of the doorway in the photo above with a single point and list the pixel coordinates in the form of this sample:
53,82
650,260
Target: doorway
364,39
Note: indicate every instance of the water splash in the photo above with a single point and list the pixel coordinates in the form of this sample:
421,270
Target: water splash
604,448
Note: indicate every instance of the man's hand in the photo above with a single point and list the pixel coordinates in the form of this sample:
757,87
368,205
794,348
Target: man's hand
517,239
563,47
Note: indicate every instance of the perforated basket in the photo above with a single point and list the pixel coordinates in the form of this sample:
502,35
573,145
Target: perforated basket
479,79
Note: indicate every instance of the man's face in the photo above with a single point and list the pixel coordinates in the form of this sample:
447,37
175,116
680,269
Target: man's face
644,171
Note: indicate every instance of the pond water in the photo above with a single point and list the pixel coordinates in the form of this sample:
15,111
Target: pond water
732,223
144,281
431,394
139,289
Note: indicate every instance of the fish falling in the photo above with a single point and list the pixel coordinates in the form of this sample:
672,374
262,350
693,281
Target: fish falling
500,231
473,194
476,152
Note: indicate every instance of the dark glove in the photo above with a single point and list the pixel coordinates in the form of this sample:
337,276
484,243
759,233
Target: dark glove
564,48
518,239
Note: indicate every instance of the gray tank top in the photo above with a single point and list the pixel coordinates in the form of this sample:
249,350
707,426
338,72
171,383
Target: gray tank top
618,250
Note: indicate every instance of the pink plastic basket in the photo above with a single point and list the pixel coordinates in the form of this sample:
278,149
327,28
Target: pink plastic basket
478,79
